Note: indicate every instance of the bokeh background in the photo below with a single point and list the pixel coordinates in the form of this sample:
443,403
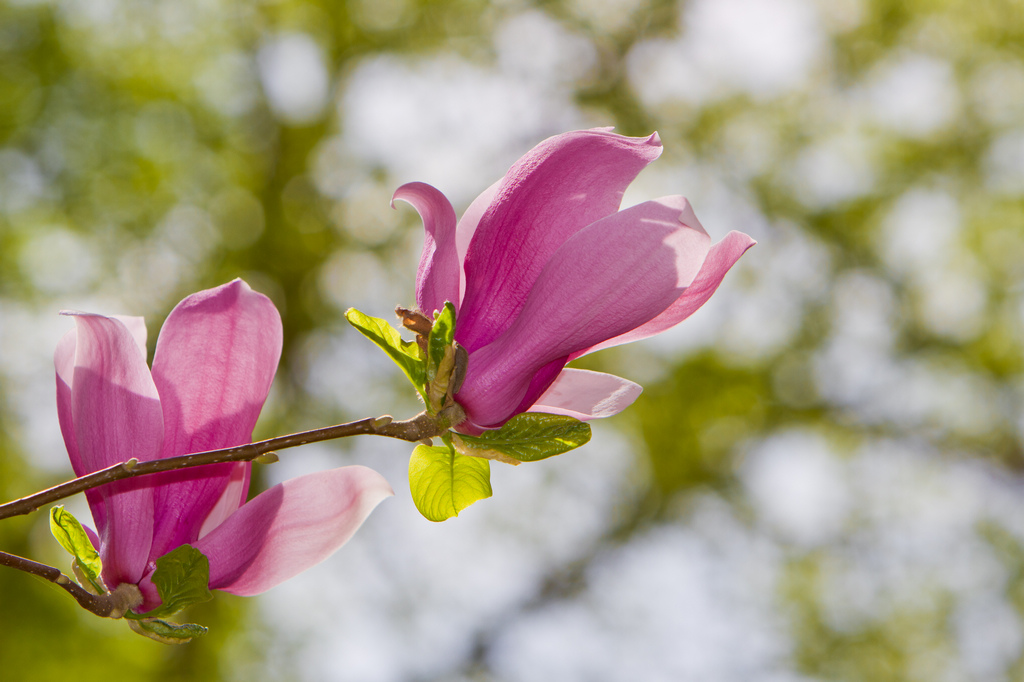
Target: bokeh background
822,479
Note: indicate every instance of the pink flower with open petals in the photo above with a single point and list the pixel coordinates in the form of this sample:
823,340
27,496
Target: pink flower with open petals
543,267
215,359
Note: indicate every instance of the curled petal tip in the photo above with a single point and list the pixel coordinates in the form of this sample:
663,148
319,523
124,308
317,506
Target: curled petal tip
410,190
235,284
439,272
739,240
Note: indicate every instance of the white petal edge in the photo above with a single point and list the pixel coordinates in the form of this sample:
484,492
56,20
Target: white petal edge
587,395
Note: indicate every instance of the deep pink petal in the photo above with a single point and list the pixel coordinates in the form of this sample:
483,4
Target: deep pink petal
228,503
215,360
720,259
542,379
587,395
116,415
289,528
150,595
609,278
562,185
437,280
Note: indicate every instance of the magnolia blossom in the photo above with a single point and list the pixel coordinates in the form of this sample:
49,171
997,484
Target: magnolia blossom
543,267
215,359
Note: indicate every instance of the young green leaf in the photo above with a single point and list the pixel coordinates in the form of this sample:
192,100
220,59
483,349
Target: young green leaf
441,337
527,437
72,537
167,632
182,578
440,358
443,482
406,354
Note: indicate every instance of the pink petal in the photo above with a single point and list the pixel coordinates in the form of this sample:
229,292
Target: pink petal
440,268
587,395
64,363
540,382
467,228
215,360
289,528
233,497
150,595
562,185
612,277
137,328
721,257
116,415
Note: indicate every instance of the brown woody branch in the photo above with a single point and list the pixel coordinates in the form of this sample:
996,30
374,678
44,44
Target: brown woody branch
421,427
111,605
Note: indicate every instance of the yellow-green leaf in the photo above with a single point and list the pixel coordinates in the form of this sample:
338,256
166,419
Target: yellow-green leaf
406,354
443,482
72,537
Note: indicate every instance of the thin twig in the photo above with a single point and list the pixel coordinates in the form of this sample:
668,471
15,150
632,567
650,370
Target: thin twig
111,605
420,427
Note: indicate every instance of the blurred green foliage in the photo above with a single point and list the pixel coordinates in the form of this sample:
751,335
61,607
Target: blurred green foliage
116,120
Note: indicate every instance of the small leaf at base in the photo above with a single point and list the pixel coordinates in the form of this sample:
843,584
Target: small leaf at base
166,632
440,339
182,577
72,537
527,437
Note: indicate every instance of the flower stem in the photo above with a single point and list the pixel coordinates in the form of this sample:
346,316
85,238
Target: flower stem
420,427
112,605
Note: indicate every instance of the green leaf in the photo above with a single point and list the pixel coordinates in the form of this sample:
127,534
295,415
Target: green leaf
442,335
71,536
440,358
406,354
182,578
443,482
167,632
527,437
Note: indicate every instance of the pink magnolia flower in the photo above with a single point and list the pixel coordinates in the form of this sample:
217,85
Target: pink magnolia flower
215,359
543,267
